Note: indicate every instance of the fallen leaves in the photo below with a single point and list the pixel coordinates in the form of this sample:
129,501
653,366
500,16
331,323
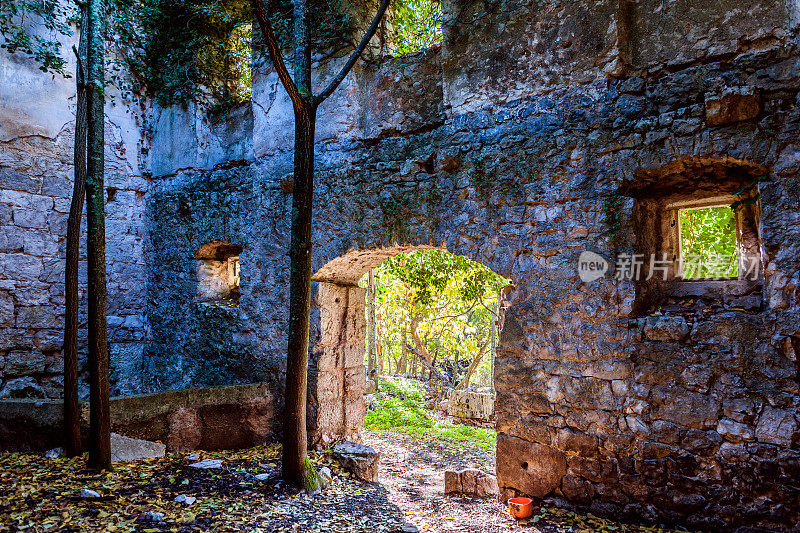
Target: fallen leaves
158,495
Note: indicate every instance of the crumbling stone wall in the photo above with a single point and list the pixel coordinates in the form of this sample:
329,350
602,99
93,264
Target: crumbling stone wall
36,179
505,145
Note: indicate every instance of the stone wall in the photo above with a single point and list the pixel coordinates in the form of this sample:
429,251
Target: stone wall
504,146
507,145
36,179
197,419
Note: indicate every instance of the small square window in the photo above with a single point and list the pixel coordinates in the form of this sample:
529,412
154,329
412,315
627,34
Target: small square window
708,243
218,273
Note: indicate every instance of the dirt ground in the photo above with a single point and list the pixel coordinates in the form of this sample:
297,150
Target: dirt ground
412,471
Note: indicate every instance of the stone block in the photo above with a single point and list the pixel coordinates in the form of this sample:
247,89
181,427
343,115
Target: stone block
6,310
452,482
576,442
11,179
22,388
530,468
127,449
185,430
473,405
777,426
470,482
23,363
27,218
39,317
21,267
733,431
689,409
732,105
360,459
666,328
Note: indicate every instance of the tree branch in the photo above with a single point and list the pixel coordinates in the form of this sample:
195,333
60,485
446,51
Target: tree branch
434,371
262,15
355,55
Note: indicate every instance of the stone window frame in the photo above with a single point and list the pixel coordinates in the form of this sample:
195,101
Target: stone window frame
218,273
747,238
658,216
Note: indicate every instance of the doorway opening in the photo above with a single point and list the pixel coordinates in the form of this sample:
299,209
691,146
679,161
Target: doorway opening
406,355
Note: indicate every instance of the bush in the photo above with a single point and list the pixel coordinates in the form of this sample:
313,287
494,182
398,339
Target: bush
398,406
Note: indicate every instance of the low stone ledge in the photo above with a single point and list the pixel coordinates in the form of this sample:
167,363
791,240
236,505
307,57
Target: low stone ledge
206,419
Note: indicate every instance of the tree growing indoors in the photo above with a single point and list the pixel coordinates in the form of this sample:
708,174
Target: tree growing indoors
305,104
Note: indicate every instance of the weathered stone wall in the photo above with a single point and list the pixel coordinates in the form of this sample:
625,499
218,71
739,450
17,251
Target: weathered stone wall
197,419
505,145
36,179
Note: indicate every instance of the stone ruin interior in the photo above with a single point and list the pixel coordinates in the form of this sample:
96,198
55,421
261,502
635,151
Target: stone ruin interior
593,122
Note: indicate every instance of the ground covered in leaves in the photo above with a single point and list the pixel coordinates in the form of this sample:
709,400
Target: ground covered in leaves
412,471
245,494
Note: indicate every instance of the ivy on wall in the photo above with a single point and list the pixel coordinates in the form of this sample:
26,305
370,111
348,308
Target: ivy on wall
182,51
185,51
18,17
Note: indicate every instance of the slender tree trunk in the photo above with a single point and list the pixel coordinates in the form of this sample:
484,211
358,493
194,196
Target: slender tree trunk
294,432
475,362
72,408
99,415
305,108
371,325
493,354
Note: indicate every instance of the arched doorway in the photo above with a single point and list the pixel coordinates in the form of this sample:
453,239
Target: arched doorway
339,374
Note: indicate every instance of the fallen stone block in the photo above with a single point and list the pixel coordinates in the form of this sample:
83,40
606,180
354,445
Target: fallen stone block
473,405
470,481
127,449
360,459
207,464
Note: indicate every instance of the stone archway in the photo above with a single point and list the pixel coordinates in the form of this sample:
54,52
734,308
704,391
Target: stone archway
338,370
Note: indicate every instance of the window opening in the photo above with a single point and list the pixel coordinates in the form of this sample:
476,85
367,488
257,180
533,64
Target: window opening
708,243
218,274
417,25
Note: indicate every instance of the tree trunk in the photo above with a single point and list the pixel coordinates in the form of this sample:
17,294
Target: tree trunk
72,408
493,354
305,109
100,422
371,325
433,370
475,362
295,439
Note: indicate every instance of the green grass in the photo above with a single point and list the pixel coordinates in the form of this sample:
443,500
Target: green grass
398,407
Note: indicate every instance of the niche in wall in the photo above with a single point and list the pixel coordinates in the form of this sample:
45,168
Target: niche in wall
676,203
218,273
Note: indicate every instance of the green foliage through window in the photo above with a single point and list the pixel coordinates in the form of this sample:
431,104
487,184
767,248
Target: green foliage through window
708,243
417,25
444,306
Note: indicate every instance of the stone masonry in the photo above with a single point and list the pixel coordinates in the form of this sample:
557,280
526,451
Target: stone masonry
508,144
36,178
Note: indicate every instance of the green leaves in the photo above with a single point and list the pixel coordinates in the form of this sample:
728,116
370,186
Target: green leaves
188,50
708,243
34,28
429,272
417,25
